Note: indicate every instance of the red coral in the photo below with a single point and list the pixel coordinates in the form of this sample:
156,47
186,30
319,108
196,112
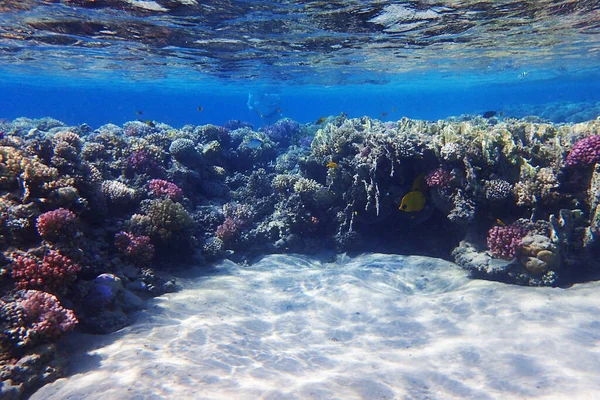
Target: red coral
56,224
45,316
138,249
504,241
51,275
585,152
162,188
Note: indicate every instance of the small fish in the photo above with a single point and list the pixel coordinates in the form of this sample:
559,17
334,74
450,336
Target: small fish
254,143
200,108
499,221
139,112
393,109
489,114
384,114
150,123
412,201
320,121
1,135
332,165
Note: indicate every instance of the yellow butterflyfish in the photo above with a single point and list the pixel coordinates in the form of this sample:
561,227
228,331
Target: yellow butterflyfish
413,201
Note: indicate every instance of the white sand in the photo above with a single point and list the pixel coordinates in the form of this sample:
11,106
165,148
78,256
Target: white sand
373,327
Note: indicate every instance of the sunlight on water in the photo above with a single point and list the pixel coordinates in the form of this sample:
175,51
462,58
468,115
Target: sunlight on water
299,42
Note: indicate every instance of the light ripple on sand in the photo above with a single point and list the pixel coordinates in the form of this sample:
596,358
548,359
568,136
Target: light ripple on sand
372,327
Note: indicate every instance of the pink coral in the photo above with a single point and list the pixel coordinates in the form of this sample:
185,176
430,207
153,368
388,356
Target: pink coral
162,188
138,249
230,228
45,316
504,241
52,274
585,152
439,178
56,224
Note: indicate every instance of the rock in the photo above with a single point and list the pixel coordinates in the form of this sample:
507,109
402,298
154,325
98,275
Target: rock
535,265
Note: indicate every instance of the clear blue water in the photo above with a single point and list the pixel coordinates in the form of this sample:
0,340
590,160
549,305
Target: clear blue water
116,60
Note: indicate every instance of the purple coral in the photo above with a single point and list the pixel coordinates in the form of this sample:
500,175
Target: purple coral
230,229
585,152
45,316
142,162
162,188
282,131
504,241
56,223
439,178
138,249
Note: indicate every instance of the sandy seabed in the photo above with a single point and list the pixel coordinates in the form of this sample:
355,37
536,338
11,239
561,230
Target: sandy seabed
371,327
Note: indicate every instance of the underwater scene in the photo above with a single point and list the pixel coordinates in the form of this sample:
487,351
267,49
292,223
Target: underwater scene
232,199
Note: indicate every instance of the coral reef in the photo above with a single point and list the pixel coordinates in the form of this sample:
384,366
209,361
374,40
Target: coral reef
93,218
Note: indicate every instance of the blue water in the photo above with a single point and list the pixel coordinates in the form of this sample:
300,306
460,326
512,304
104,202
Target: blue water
114,61
176,103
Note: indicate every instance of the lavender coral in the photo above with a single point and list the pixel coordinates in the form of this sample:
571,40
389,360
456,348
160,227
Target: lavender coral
142,162
585,152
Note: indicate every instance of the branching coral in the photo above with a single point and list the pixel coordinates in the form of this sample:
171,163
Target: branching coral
137,249
504,241
45,316
56,224
163,218
162,188
32,317
52,274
